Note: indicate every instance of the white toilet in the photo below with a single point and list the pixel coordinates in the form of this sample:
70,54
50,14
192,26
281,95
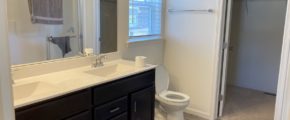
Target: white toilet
174,103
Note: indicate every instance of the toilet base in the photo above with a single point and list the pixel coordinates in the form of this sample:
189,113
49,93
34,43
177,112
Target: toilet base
177,115
159,114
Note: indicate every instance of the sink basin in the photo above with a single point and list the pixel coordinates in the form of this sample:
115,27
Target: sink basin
32,89
112,70
72,83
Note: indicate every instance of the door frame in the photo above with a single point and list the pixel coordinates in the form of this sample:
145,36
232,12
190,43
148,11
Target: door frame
6,101
225,55
283,90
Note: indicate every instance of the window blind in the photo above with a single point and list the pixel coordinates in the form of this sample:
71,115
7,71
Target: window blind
145,17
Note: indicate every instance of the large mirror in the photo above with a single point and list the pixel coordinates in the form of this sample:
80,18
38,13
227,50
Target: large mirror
41,30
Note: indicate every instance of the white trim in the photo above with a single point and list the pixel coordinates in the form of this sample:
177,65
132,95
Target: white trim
197,113
6,102
282,101
218,58
225,54
144,39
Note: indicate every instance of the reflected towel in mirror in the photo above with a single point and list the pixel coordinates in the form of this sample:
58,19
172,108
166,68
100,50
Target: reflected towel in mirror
46,11
63,43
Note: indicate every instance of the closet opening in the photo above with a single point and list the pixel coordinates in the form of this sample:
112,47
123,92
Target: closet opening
253,37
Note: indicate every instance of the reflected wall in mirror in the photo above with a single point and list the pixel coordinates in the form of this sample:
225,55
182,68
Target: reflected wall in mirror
44,30
41,30
108,26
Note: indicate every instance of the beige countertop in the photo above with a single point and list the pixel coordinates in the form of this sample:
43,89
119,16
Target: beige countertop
35,89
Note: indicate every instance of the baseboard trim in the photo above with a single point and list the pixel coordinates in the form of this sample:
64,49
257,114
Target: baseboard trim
197,113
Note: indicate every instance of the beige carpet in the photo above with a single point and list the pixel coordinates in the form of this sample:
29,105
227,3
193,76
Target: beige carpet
245,104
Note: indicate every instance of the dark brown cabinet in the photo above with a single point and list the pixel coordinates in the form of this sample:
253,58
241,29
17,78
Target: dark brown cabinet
82,116
111,109
142,103
130,98
123,116
57,109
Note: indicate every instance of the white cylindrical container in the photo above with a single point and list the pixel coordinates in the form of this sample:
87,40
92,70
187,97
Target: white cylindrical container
140,61
88,51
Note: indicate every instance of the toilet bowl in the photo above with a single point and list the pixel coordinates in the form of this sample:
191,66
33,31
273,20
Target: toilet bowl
173,103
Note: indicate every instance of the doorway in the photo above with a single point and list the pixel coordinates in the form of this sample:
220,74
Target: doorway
251,59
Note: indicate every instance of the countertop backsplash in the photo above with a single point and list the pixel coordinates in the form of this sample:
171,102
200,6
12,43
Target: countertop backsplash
40,68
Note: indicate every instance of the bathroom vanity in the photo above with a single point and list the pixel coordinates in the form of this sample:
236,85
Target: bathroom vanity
46,88
125,98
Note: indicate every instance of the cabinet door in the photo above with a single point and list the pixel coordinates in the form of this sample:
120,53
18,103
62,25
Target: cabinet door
57,109
142,104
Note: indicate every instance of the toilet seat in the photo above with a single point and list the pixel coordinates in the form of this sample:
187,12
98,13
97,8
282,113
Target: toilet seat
175,97
173,103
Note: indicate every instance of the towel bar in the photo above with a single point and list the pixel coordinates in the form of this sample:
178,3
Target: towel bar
48,45
201,10
51,37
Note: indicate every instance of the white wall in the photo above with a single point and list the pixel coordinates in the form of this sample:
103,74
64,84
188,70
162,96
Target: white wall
151,49
189,52
28,42
6,108
257,41
288,106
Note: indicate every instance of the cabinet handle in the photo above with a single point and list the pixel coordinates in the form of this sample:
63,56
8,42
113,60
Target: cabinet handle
115,110
135,106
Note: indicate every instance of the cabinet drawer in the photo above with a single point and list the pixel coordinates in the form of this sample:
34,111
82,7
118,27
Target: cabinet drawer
114,90
82,116
57,109
123,116
111,109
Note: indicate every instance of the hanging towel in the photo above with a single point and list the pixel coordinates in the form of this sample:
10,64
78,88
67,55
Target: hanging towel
46,11
63,43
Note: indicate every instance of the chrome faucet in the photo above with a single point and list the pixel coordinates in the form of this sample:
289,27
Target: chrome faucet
99,61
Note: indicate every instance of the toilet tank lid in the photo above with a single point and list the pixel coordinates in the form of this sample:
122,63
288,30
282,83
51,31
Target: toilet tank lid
161,79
